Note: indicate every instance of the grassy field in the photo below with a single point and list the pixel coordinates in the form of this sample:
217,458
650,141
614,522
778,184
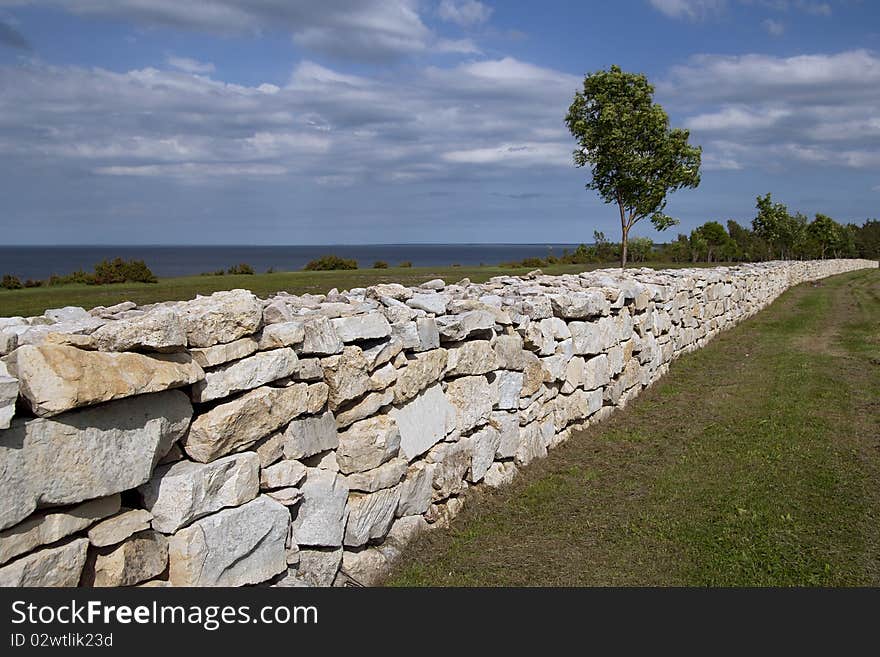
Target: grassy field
755,462
34,301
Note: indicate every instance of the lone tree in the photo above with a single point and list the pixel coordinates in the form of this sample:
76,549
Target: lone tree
636,158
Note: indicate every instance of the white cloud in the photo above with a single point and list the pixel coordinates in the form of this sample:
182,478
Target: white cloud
760,110
363,29
193,171
737,118
773,27
323,125
690,9
189,65
464,12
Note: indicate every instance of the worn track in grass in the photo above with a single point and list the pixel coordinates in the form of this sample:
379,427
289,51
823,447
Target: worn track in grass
754,462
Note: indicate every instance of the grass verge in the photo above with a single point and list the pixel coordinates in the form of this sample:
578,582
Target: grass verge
754,462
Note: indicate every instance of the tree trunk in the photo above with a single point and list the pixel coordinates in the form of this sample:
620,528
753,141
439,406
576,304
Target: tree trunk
624,230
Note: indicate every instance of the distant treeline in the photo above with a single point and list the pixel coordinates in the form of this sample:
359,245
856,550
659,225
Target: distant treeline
775,234
105,273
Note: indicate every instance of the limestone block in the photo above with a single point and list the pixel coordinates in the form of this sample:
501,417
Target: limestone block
283,474
160,329
367,444
223,353
246,374
321,516
48,527
420,372
371,515
57,566
123,440
307,436
361,327
234,547
220,317
424,421
246,419
57,378
141,557
473,399
185,491
117,528
385,476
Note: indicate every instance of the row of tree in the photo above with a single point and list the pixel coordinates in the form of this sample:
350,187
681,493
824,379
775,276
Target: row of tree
775,234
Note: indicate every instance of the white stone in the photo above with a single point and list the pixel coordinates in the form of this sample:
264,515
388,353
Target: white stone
423,421
385,476
346,375
430,302
500,474
531,444
459,327
285,334
57,378
317,567
246,374
320,337
185,491
416,489
94,452
509,388
473,399
370,516
57,566
119,527
220,317
321,516
429,336
471,357
248,418
307,436
368,444
223,353
159,329
235,547
361,327
507,424
484,444
420,372
49,527
282,474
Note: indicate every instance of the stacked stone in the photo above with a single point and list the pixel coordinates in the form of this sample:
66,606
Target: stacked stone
305,440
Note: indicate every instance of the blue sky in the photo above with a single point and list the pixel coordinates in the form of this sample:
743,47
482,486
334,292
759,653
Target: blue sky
343,121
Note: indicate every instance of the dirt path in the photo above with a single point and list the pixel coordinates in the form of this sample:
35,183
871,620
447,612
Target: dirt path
756,461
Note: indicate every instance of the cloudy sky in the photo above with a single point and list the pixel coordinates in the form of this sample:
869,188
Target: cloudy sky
373,121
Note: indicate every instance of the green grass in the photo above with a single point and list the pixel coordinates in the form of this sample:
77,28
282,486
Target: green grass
34,301
755,462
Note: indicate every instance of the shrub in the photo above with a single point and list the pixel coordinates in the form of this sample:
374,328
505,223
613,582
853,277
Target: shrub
10,282
121,271
330,263
219,272
270,270
78,277
241,269
380,264
33,283
405,264
532,262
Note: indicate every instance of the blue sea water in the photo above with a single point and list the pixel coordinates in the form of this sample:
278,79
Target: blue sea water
39,262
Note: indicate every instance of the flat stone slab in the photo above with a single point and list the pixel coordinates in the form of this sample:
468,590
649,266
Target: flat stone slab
58,378
93,452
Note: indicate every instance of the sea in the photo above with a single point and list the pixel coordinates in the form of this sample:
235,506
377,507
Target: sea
39,262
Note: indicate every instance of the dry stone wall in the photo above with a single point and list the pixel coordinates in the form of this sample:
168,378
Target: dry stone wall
304,440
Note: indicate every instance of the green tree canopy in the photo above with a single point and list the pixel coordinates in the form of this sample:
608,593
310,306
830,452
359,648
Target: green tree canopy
635,158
